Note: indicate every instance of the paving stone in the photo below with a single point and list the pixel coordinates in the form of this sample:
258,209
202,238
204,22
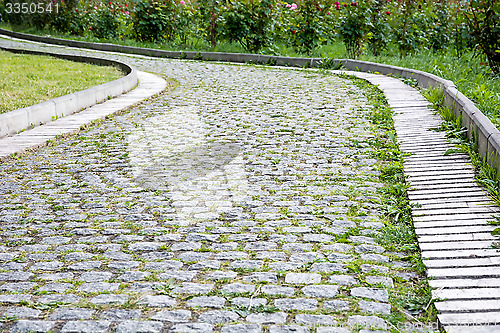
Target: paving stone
320,291
144,246
71,314
22,313
383,280
85,265
218,317
305,304
277,290
247,264
86,326
375,307
221,276
310,319
288,329
95,276
56,276
173,316
207,302
267,318
17,286
56,287
369,321
332,330
241,328
65,298
327,267
193,288
160,301
337,305
343,280
302,278
109,299
261,277
121,315
248,302
14,299
132,326
380,295
97,287
131,276
365,268
177,275
32,326
284,266
192,328
238,288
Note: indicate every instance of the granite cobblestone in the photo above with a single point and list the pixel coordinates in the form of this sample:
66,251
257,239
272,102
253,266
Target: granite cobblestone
236,203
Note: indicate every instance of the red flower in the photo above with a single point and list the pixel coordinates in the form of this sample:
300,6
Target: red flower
337,3
354,4
388,12
76,9
294,32
125,5
90,28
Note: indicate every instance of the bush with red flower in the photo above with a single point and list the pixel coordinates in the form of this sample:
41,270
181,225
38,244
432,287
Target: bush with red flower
249,22
307,24
354,25
483,20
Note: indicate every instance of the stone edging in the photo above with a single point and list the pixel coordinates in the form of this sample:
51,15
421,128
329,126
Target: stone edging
18,120
478,125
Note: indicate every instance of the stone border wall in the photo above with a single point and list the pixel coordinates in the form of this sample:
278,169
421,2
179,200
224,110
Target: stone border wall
17,120
479,127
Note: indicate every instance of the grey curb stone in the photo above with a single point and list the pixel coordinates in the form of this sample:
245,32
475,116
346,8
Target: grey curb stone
20,119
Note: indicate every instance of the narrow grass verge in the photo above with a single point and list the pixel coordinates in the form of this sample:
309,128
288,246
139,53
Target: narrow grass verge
26,80
411,298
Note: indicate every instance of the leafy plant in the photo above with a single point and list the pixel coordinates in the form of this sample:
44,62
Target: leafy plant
308,24
353,27
483,18
154,20
249,22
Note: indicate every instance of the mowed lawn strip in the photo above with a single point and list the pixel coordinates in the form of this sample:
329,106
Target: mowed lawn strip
26,80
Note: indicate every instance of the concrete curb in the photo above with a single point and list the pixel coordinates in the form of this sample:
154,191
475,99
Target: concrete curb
17,120
479,127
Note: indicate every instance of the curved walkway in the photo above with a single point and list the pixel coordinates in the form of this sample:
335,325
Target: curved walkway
216,204
450,216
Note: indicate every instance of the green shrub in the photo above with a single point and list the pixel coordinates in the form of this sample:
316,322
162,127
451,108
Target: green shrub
104,21
483,18
154,20
309,24
249,22
354,26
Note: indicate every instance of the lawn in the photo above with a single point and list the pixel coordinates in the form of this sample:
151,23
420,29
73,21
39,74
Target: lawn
27,79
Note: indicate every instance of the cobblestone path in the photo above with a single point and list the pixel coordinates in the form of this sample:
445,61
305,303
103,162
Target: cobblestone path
244,201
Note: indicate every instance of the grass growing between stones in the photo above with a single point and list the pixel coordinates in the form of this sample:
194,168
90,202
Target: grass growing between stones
26,80
411,298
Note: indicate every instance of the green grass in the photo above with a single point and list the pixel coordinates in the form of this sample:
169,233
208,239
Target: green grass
26,80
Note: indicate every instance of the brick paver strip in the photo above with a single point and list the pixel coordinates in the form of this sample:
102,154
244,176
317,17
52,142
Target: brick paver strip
461,263
124,209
